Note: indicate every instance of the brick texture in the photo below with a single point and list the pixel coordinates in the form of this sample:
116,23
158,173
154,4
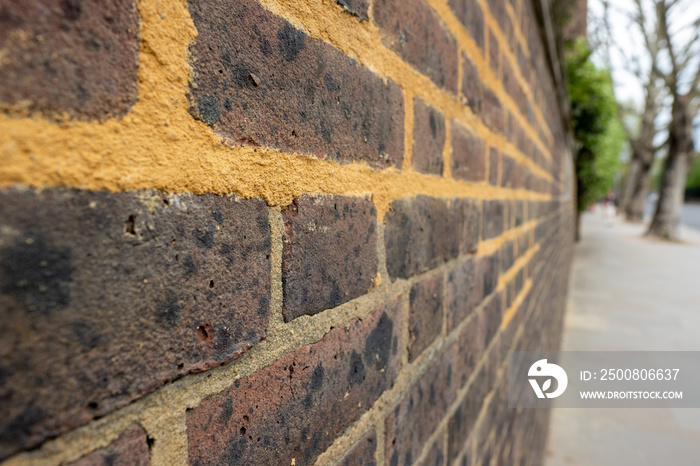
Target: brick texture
428,138
69,58
468,154
426,309
330,252
298,405
471,16
362,453
246,60
107,296
130,449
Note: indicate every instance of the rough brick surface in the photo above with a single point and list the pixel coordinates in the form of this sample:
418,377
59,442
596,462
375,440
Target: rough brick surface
425,322
492,111
472,87
462,293
415,31
296,407
419,412
420,233
468,154
493,166
362,453
462,421
428,138
247,61
130,449
471,16
494,54
359,8
72,58
493,219
469,214
104,297
330,252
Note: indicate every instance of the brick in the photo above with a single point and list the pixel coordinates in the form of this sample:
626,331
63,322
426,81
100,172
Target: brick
330,252
105,297
488,272
70,58
425,321
428,138
519,213
468,154
246,60
362,453
493,166
472,88
420,411
493,219
436,454
420,233
416,33
471,346
469,214
359,8
470,14
492,111
494,53
492,316
462,293
296,407
130,449
508,169
507,255
462,422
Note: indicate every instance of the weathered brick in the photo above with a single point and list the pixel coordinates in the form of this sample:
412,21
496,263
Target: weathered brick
462,421
428,138
419,412
468,213
130,449
493,166
78,59
359,8
462,294
436,454
419,234
494,53
247,61
330,252
488,273
472,88
415,31
492,111
471,16
470,349
492,219
296,407
425,322
362,452
107,296
508,168
468,154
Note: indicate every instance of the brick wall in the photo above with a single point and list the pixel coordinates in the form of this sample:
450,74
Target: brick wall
276,232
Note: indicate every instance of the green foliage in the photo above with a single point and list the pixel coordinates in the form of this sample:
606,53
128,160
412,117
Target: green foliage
597,129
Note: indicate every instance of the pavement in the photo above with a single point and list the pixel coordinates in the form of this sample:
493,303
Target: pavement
630,293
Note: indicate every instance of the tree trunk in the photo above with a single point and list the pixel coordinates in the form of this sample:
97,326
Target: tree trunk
577,227
628,188
635,207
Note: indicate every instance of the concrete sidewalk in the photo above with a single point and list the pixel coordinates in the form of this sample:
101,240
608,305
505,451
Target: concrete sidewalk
634,294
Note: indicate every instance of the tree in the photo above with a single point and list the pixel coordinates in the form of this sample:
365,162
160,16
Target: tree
597,130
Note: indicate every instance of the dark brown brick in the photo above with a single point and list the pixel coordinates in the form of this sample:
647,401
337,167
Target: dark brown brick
436,454
509,172
359,8
130,449
105,297
425,322
462,293
330,252
415,31
492,111
471,346
492,219
472,88
72,58
362,452
461,423
469,213
428,138
507,255
493,166
419,234
419,412
471,16
494,53
492,315
259,81
297,406
468,154
488,272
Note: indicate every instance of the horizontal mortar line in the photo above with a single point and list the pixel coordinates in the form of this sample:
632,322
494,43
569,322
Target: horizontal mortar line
517,266
467,43
513,309
365,43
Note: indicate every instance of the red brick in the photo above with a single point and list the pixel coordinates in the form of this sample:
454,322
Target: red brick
425,322
107,296
462,293
362,453
468,154
130,449
471,16
420,411
415,31
419,234
246,61
472,88
428,138
330,252
462,421
296,407
72,58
